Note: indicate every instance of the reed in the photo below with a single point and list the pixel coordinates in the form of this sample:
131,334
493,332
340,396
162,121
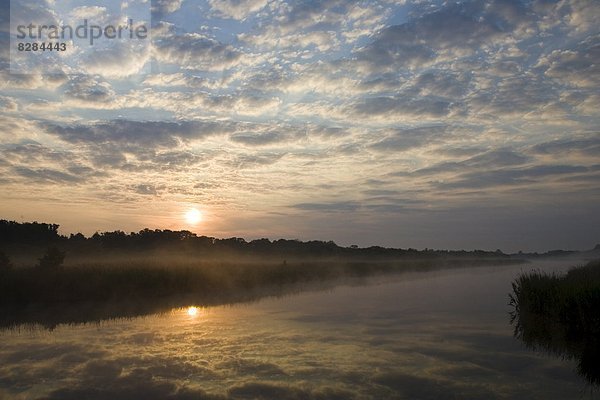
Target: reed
560,314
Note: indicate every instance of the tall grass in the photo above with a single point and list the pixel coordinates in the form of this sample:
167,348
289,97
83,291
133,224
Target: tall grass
561,315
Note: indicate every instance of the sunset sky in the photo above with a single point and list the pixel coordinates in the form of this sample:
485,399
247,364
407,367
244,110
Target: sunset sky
396,123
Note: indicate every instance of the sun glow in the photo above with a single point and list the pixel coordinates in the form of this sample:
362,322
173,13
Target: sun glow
192,311
193,216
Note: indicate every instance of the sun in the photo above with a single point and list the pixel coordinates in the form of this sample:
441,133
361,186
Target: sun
192,311
193,216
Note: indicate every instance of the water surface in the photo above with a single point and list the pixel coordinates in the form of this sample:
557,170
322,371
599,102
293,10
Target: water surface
424,335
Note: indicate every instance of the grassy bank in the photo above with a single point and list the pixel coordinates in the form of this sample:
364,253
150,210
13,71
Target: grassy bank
560,314
53,295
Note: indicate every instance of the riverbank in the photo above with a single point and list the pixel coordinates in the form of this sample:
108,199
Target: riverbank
92,292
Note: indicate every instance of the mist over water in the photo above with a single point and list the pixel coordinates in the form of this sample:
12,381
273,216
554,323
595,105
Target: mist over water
419,335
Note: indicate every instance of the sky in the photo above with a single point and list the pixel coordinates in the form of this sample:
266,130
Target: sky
423,124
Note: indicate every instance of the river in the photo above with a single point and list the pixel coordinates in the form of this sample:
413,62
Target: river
423,335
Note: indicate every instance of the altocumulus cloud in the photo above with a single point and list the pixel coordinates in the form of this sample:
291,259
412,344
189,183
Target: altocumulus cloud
317,102
144,133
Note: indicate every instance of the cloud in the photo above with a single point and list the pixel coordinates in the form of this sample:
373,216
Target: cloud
581,14
186,105
316,14
487,161
119,61
162,29
405,139
244,161
195,51
37,80
302,29
340,206
236,9
146,189
518,176
579,67
32,162
380,192
379,204
33,152
460,152
15,129
272,38
176,159
586,146
258,140
398,107
143,133
588,105
162,7
131,146
447,84
181,80
313,79
495,159
89,89
8,104
456,30
88,12
33,12
47,175
513,96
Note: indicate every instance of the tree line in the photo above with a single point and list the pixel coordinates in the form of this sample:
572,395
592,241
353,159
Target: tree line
20,235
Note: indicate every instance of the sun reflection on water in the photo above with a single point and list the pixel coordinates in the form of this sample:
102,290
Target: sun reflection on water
193,311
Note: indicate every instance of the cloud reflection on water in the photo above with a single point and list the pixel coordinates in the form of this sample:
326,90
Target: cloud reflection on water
408,339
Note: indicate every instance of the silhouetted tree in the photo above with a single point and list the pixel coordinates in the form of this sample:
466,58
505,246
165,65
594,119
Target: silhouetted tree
52,259
5,263
28,232
78,237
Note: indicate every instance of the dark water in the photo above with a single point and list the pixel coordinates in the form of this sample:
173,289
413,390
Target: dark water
429,335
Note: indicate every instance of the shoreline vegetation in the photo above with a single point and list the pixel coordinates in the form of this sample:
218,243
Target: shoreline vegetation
50,279
560,315
90,293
